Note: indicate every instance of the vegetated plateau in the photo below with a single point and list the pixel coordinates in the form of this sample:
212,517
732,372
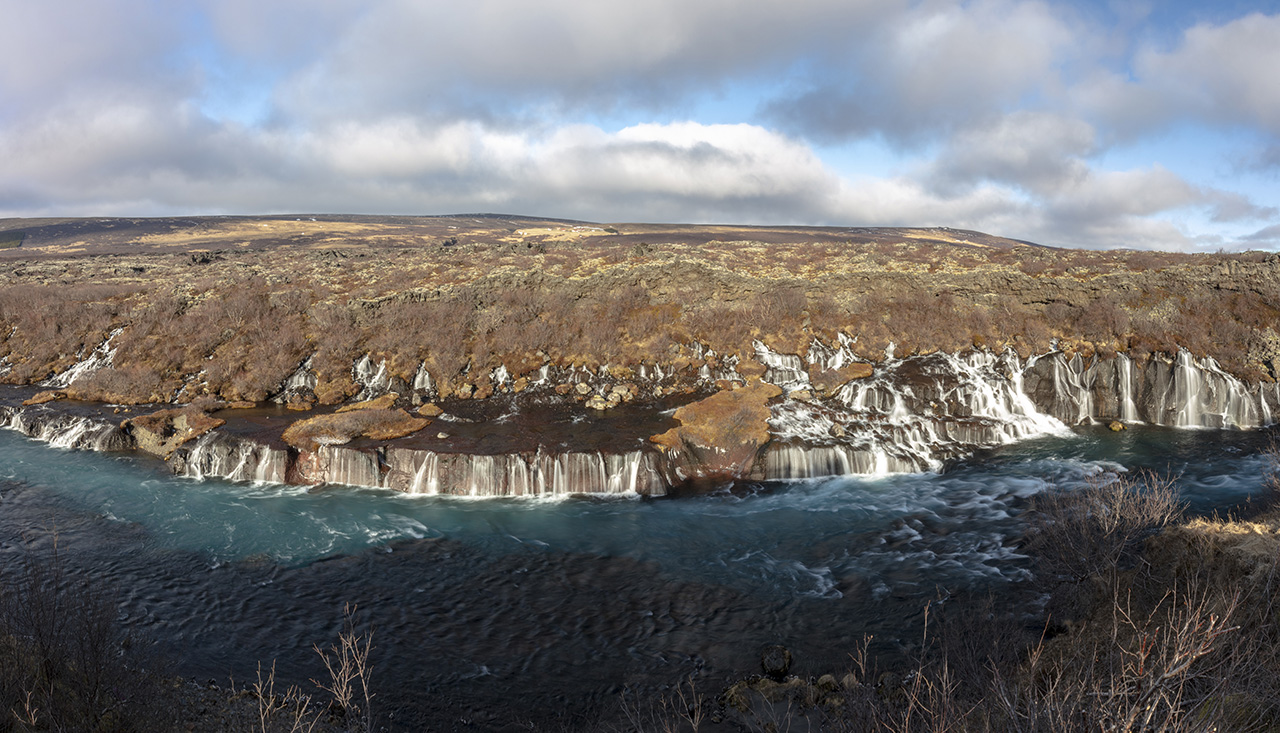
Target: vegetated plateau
230,306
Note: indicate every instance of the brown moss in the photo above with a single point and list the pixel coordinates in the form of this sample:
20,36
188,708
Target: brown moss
161,433
337,428
48,395
384,402
720,435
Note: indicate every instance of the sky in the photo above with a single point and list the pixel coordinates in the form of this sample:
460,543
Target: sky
1101,124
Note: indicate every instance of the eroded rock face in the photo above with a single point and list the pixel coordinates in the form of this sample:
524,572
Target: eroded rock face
163,432
720,437
342,427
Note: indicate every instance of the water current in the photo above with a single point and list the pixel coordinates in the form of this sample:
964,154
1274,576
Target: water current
500,611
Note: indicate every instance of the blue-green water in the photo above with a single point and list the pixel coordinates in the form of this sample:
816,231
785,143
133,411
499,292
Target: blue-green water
479,602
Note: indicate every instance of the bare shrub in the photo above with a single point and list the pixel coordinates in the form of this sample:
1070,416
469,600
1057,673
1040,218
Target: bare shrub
66,664
1093,531
348,685
350,674
290,712
1160,670
681,709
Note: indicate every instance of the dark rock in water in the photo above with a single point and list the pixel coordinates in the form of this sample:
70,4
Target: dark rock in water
775,660
1116,426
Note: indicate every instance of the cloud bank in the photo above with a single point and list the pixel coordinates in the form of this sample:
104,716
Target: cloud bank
1028,119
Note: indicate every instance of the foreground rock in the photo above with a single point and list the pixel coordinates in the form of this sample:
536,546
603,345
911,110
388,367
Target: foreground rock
163,432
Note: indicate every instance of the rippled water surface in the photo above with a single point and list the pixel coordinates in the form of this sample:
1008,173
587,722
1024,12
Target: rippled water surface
497,608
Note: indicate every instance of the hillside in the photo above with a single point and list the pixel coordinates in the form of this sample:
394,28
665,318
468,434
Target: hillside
231,306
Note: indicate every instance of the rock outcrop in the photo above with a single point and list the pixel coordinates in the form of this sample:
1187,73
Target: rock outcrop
161,433
342,427
719,437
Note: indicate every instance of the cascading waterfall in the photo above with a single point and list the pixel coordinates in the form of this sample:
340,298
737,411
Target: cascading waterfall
1185,392
785,370
100,358
218,455
66,431
1126,386
422,380
912,414
524,474
302,381
337,464
374,380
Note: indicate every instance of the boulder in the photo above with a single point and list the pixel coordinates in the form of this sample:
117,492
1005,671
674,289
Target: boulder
430,409
719,437
775,661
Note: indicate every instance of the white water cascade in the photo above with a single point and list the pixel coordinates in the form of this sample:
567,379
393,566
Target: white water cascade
374,380
302,381
910,415
219,455
1182,392
524,474
100,358
65,431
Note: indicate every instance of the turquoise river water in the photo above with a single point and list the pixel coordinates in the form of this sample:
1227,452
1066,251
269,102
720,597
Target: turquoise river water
497,610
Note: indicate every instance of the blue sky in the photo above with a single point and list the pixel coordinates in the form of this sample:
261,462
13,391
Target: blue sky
1101,124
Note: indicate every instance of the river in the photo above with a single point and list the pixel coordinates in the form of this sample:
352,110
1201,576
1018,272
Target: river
505,611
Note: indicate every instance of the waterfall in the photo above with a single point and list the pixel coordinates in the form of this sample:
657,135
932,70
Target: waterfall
1126,386
422,380
302,381
100,358
525,474
374,381
911,414
66,431
785,370
219,455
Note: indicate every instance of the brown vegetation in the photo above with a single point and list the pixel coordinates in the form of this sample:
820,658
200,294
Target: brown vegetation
338,428
722,433
235,323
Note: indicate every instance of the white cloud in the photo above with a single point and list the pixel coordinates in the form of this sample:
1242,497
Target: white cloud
55,50
426,106
938,67
1222,72
1035,151
423,57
